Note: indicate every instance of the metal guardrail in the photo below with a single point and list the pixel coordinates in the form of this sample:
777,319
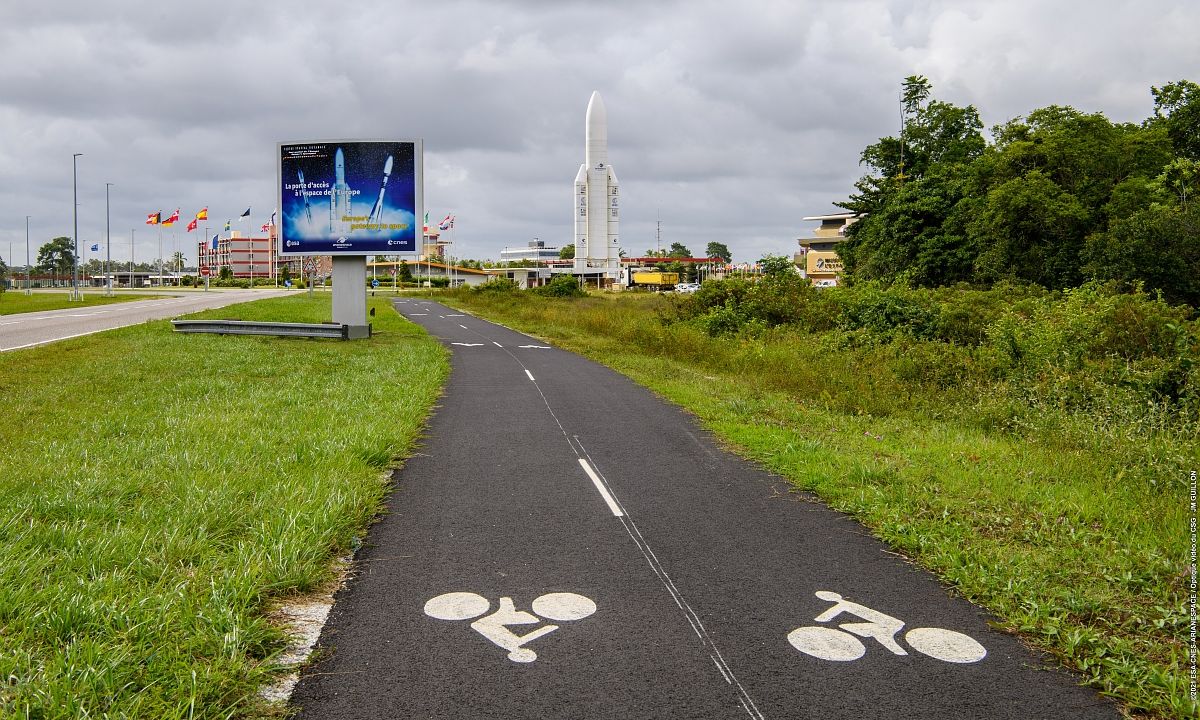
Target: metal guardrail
281,329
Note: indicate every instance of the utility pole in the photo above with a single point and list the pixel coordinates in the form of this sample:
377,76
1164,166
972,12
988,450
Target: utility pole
107,243
28,278
75,213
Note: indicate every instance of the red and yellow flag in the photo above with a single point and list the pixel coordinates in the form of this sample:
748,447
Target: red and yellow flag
154,218
202,215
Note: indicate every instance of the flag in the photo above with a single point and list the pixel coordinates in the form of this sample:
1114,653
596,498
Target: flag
227,225
266,227
445,223
168,222
426,225
214,242
245,214
203,214
154,218
95,247
272,217
192,225
174,217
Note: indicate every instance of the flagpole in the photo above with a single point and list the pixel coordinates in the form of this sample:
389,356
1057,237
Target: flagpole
131,258
208,252
160,254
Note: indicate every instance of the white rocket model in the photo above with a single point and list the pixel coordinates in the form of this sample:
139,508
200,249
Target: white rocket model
596,194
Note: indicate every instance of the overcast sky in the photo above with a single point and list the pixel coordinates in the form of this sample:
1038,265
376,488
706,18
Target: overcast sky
728,120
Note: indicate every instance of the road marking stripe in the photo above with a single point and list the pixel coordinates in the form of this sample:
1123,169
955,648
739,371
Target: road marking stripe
497,344
530,375
608,499
464,327
723,673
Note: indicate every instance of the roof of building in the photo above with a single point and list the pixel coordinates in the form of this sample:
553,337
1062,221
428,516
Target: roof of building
834,216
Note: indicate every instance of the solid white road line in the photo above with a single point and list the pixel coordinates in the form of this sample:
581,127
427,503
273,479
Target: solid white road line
608,499
530,376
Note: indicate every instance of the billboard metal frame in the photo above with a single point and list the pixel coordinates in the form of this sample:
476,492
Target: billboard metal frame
290,243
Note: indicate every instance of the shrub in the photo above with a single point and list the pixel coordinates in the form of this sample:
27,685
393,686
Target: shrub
561,286
498,286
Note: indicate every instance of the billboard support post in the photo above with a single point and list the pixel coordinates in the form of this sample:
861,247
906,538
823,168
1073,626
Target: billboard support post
348,199
350,294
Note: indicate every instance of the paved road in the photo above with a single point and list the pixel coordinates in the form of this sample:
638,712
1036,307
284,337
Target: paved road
566,544
38,328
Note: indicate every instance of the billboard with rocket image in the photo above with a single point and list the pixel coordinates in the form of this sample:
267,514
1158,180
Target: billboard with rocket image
349,197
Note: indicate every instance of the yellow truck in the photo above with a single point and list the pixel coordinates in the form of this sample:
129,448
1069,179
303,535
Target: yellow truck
654,279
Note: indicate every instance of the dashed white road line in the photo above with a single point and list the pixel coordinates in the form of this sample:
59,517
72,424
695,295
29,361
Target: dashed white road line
608,498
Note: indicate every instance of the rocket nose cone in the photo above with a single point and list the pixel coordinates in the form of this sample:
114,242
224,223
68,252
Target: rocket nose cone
595,108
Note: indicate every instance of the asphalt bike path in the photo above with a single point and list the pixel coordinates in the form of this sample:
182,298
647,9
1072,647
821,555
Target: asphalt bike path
565,544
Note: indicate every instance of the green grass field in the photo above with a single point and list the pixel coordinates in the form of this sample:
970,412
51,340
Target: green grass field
1070,530
159,491
16,301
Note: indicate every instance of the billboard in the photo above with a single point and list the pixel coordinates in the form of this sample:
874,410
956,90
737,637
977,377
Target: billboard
350,197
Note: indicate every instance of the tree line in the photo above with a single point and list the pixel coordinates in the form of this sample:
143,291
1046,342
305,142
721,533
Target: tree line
1055,198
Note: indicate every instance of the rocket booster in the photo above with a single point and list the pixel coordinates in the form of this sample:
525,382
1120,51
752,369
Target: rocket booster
339,197
377,210
304,194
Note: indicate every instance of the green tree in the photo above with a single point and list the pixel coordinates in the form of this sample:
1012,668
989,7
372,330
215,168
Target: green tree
404,272
285,274
1031,229
57,256
718,250
1180,181
1159,247
567,252
1177,110
679,250
3,276
912,203
772,265
225,273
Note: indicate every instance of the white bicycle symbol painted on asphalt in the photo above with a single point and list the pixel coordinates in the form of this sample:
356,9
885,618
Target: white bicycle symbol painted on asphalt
828,643
560,607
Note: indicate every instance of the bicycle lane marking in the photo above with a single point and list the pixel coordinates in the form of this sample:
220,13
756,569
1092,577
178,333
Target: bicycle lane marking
613,502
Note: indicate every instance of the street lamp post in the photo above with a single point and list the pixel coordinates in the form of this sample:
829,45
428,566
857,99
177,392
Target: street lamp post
107,243
28,285
75,213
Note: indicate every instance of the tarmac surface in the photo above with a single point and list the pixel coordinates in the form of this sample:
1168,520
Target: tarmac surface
24,330
568,545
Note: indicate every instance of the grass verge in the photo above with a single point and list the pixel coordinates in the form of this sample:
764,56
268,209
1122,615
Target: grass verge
1072,534
159,490
16,301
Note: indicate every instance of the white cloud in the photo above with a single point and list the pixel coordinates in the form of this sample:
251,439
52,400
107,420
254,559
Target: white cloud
731,120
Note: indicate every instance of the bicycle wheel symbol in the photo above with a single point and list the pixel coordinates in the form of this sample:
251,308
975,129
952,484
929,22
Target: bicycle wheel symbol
828,643
842,644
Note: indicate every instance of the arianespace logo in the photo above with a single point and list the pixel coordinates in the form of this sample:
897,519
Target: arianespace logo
342,243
